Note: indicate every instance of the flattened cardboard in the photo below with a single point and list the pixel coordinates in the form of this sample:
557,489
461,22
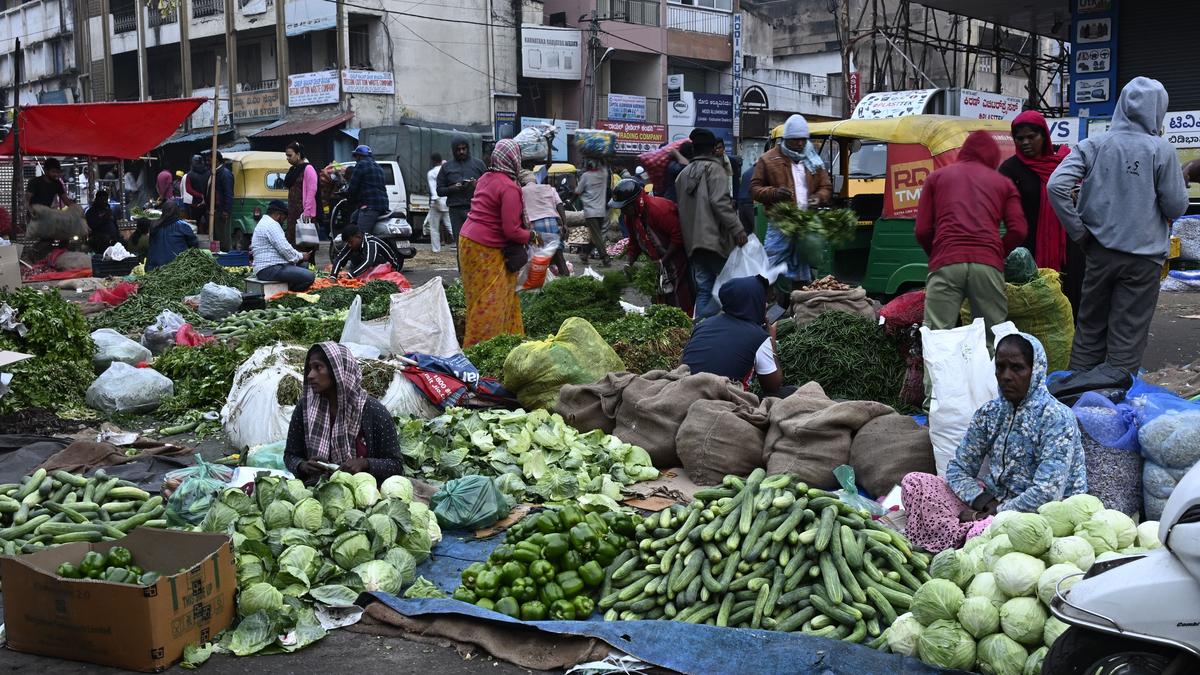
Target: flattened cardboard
122,625
10,267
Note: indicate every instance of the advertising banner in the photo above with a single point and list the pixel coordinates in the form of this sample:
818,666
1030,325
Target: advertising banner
313,88
885,104
564,128
626,107
368,82
982,105
634,138
551,53
305,16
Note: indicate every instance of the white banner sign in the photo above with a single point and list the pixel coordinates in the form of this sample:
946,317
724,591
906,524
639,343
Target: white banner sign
551,53
627,108
368,82
982,105
313,88
303,16
1182,129
885,104
1064,131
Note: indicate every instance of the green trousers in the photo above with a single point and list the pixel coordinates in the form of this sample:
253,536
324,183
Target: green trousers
980,285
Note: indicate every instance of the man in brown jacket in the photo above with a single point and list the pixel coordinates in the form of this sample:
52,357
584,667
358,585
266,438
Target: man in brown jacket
711,228
790,172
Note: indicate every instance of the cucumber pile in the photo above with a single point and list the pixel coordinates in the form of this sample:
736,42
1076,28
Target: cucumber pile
769,553
46,509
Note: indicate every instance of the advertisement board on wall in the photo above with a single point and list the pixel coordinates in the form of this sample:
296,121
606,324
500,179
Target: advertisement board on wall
255,105
550,53
634,138
1182,129
305,16
319,88
627,107
885,104
368,82
983,105
564,128
506,124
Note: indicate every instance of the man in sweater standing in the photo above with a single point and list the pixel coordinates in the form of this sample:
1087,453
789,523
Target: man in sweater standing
1132,190
711,228
958,224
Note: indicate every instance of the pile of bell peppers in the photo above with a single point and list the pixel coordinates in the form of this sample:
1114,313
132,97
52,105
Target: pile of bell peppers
550,565
115,566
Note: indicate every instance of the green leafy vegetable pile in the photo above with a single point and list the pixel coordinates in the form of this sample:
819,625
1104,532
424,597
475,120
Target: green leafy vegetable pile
848,355
376,296
536,455
650,341
297,547
595,301
836,226
202,375
488,356
165,288
58,338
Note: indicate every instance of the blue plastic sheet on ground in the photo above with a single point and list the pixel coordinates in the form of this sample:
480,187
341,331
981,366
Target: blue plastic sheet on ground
690,648
453,554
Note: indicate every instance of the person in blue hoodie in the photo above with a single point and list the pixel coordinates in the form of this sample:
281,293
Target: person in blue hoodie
1029,442
738,343
1132,190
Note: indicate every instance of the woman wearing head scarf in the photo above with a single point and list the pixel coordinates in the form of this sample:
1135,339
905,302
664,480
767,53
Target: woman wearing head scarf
792,171
1029,170
169,236
494,227
336,423
1031,446
101,224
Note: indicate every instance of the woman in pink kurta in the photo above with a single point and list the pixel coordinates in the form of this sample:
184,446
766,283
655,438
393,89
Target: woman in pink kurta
301,183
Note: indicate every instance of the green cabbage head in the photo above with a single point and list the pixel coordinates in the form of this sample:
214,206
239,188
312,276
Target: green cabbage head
946,645
1017,574
936,599
979,617
1001,655
903,634
1023,619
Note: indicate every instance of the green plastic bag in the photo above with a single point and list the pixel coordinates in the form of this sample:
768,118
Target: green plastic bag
1040,309
269,456
1019,266
535,371
469,503
199,487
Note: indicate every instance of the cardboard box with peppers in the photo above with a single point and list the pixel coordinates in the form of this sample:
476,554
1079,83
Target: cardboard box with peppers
550,565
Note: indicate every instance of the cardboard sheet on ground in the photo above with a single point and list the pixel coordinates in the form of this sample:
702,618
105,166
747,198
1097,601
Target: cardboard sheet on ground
682,647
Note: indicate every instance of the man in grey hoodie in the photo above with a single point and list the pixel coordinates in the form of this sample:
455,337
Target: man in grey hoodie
456,182
1132,189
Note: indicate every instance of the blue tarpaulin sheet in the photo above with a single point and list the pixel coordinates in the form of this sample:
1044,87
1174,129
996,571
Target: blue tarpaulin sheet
689,648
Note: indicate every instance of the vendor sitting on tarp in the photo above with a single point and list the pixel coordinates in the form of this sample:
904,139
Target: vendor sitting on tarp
169,236
1030,442
363,252
336,423
738,343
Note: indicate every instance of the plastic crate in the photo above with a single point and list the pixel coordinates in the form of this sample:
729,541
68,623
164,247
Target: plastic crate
113,268
234,259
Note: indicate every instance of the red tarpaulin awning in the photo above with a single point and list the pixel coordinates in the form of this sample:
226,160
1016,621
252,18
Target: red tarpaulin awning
118,130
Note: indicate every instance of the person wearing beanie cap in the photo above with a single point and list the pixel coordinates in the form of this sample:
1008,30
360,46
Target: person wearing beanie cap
274,257
792,171
711,228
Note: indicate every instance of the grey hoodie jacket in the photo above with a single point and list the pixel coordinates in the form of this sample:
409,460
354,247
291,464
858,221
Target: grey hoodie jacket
1132,187
706,212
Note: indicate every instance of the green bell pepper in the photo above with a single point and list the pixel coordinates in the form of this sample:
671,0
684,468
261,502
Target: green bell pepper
136,570
597,524
116,575
119,556
488,582
69,571
583,538
537,539
571,560
501,554
570,582
465,594
526,552
542,572
470,574
605,552
503,591
93,561
562,610
533,611
584,606
570,516
509,605
486,604
557,544
511,571
592,574
548,522
524,589
149,578
551,592
620,522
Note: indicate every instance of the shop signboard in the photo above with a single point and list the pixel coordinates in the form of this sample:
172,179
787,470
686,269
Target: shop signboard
368,82
564,128
319,88
626,107
256,105
634,138
713,110
551,53
983,105
736,67
886,104
1182,129
1064,131
506,124
1094,46
305,16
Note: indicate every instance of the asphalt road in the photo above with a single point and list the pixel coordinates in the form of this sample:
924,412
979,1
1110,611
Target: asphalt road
1174,338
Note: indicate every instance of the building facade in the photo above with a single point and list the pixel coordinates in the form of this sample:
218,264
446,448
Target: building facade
49,56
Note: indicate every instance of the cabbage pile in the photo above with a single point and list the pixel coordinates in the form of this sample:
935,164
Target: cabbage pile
300,549
986,606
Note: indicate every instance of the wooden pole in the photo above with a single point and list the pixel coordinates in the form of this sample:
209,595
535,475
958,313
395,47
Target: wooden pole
212,176
18,187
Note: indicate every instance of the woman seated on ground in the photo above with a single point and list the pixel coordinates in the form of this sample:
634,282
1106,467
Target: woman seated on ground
169,236
337,423
1032,447
738,343
102,227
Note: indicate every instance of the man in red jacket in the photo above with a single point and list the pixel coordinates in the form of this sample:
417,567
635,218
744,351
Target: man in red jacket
654,229
958,224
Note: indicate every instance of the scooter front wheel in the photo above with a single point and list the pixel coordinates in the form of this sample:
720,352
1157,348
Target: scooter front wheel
1080,651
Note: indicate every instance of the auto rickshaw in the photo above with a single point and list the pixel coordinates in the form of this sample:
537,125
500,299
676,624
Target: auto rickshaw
878,167
257,179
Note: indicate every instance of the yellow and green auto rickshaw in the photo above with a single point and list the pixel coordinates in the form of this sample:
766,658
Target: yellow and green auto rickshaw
257,179
878,167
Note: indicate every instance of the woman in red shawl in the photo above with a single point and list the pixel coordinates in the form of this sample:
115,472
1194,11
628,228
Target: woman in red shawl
1029,169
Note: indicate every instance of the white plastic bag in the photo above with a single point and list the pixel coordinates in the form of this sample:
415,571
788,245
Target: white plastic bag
252,415
125,389
117,252
421,321
747,261
404,399
218,302
306,233
963,377
375,333
161,334
111,347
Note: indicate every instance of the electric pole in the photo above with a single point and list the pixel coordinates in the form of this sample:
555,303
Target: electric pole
843,21
589,83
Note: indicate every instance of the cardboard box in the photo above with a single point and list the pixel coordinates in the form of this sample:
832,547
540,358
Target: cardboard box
10,267
122,625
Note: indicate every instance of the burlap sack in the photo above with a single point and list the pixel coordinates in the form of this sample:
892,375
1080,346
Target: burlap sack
718,438
808,305
654,405
810,435
57,224
886,449
593,406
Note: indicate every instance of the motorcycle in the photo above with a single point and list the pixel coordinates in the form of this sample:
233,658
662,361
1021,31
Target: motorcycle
1140,614
391,227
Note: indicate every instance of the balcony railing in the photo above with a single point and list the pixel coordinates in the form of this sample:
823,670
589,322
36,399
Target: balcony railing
265,85
640,12
158,18
203,8
699,20
124,20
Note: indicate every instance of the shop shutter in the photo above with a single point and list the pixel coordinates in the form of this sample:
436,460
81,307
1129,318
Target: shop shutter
1154,44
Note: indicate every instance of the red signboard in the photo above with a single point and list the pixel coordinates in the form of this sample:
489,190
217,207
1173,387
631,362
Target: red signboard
634,138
